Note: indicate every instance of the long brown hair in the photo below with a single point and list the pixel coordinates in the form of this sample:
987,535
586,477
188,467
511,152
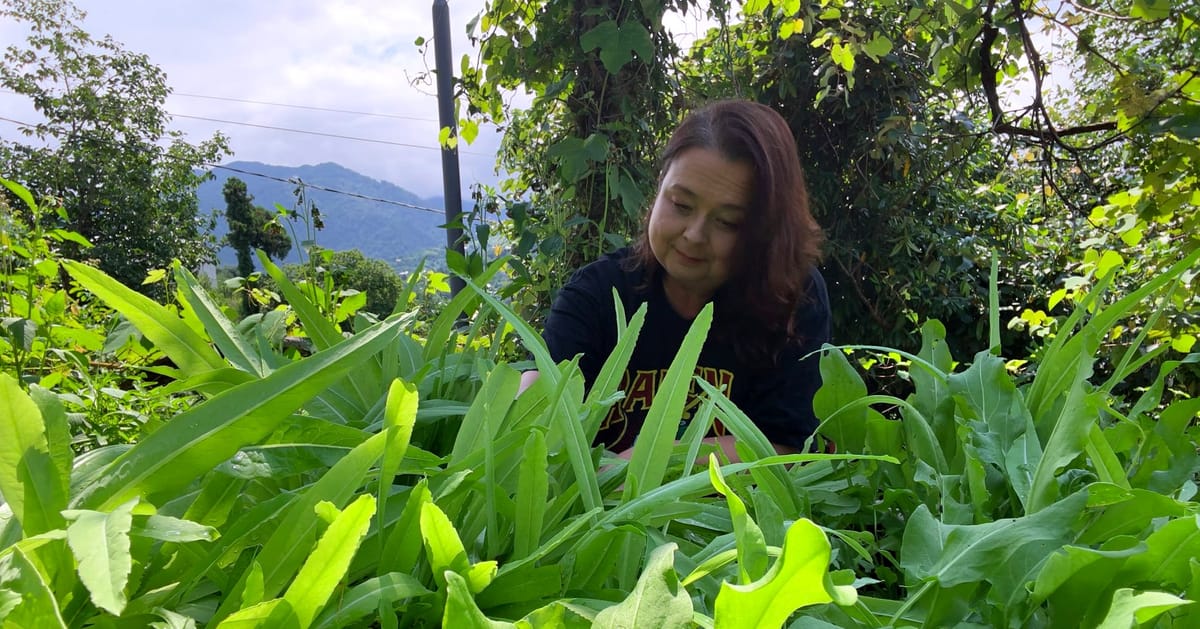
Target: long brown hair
779,241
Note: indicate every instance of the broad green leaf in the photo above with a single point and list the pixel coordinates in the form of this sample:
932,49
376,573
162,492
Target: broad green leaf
292,541
440,330
752,445
1169,464
559,615
26,600
618,43
1169,553
991,397
188,350
566,421
320,575
223,332
841,386
658,599
652,449
253,586
843,55
198,439
878,47
400,415
442,544
21,191
58,437
214,503
30,480
1020,462
492,402
461,610
1132,514
751,546
100,543
1067,440
754,7
797,579
273,614
1104,458
169,529
1063,359
1150,10
172,620
957,554
368,597
532,485
931,396
481,575
529,584
1075,578
1133,610
608,381
403,542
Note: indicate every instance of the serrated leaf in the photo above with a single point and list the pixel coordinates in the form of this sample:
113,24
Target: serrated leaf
100,543
442,543
327,565
797,579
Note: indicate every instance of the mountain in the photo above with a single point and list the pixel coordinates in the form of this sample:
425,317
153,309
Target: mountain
386,231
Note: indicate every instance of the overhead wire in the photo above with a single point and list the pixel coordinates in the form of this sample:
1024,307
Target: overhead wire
306,107
315,133
293,181
319,133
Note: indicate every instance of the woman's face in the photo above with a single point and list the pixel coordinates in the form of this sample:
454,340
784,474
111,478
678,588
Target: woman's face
694,224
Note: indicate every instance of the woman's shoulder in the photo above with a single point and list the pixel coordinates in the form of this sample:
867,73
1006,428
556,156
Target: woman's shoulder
610,270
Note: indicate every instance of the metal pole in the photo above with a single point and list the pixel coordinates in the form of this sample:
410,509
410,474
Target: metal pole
451,184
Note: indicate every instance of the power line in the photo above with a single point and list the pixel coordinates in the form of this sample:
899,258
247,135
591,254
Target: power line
292,181
326,189
327,135
308,107
316,133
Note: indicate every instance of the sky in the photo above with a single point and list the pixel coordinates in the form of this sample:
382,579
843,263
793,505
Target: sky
348,55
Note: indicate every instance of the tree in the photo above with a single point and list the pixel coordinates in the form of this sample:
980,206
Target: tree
103,148
1062,136
251,227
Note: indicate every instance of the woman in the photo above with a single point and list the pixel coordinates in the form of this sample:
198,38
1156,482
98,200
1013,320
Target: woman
731,225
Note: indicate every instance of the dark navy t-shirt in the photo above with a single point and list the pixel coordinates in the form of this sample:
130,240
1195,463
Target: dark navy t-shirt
777,397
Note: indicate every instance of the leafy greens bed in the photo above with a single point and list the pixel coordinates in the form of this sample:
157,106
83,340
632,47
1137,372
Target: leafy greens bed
389,481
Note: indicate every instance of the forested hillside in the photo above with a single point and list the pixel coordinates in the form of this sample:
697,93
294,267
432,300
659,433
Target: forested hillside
366,214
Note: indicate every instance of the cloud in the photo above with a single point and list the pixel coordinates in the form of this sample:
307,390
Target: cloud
350,55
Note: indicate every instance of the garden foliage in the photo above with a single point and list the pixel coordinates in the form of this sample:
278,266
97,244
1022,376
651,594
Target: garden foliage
400,480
